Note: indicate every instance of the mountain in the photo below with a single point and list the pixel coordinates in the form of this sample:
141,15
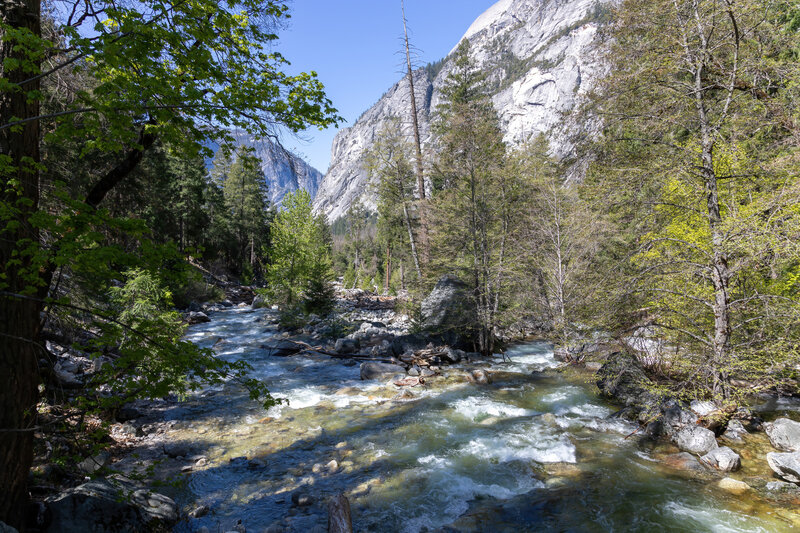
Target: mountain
283,171
540,58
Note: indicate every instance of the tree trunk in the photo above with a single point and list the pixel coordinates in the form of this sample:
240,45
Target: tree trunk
412,241
19,318
423,222
388,269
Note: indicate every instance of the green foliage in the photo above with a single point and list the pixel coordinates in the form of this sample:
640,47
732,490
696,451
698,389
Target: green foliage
300,271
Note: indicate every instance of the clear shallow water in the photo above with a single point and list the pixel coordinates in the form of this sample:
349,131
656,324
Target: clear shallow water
533,451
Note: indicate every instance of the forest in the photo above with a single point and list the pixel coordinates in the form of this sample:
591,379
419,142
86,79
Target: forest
658,262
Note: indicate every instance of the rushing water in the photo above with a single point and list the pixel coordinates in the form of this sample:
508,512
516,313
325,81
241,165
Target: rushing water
533,451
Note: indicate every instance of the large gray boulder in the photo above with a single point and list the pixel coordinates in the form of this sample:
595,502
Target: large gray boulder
695,439
103,507
784,434
449,307
723,459
371,370
785,465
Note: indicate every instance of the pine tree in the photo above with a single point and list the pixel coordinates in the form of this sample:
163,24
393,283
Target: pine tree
300,271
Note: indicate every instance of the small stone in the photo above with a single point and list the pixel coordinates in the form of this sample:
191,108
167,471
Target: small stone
480,377
317,468
593,366
302,500
413,371
332,466
199,512
733,486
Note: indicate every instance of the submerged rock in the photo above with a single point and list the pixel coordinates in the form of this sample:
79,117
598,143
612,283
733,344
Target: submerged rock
695,439
785,465
784,434
723,459
733,486
282,348
372,370
100,507
684,461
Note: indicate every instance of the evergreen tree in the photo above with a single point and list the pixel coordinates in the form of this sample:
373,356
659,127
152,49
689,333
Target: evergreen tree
471,226
300,271
246,197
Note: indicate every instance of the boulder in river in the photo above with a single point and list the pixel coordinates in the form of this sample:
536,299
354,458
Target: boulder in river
784,434
785,465
282,348
373,370
197,317
733,486
723,459
695,439
100,507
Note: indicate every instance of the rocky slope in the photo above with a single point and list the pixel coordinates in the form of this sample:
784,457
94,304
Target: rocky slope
540,58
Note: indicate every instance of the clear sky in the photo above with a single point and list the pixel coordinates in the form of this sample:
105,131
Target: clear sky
354,46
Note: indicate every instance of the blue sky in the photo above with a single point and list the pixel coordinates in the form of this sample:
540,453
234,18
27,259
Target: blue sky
354,46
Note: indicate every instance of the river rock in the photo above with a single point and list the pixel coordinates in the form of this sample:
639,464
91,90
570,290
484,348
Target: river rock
684,461
784,434
178,449
90,465
5,528
197,317
453,355
735,431
480,376
301,499
698,440
448,307
372,370
100,507
723,459
733,486
258,302
281,348
347,346
703,408
779,486
785,465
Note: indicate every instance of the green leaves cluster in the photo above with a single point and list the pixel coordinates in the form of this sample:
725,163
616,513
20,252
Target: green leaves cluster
300,271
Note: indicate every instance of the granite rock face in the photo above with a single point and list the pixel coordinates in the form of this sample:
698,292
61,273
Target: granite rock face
540,56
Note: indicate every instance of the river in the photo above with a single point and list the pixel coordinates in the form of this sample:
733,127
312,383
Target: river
535,450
